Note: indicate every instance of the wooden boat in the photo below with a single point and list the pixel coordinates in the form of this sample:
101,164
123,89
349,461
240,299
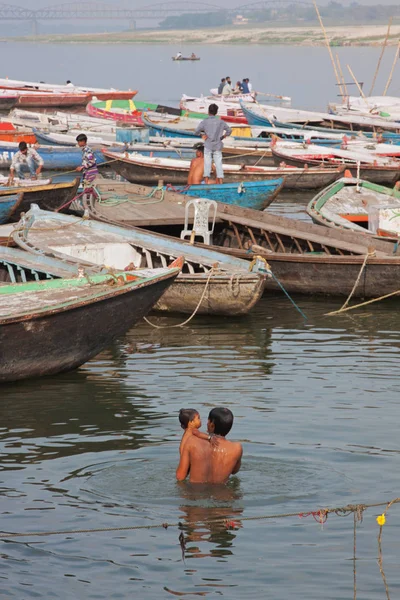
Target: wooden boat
306,258
170,201
228,110
100,93
252,194
236,98
179,58
359,206
170,126
128,137
45,100
228,289
17,200
56,158
90,311
361,164
8,101
266,116
9,133
149,170
18,266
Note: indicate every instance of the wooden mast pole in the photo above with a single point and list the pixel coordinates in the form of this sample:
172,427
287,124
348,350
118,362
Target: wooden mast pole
356,82
329,48
389,81
339,66
381,56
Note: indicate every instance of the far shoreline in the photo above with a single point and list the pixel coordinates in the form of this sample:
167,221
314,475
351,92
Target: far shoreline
360,35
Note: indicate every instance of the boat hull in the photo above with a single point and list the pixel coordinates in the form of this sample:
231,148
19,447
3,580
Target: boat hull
226,294
56,158
374,174
150,175
34,347
254,194
48,197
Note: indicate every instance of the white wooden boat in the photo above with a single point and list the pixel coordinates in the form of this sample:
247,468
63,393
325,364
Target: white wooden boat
229,289
358,205
100,93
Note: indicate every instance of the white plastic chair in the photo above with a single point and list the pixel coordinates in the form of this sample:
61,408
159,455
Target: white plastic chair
200,228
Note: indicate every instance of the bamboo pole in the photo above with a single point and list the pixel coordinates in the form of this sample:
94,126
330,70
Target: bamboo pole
339,66
389,81
356,82
329,48
381,56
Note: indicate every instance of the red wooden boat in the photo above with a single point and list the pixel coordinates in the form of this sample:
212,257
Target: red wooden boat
50,99
9,133
133,118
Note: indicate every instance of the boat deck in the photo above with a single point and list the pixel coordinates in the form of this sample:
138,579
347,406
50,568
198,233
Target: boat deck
349,201
141,206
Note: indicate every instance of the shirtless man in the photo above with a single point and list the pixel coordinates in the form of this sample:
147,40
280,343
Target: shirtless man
196,170
208,464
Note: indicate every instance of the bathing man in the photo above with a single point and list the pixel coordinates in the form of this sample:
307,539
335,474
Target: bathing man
207,463
213,131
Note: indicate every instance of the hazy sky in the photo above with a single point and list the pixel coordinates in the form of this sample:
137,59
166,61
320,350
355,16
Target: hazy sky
37,4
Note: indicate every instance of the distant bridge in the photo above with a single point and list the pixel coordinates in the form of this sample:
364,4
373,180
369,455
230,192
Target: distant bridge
100,11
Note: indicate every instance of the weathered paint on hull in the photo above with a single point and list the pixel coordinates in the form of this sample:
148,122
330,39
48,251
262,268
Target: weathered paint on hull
335,276
59,342
225,295
150,176
255,195
49,197
56,158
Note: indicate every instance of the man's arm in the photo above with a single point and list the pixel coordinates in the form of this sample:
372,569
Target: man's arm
227,129
236,468
200,128
184,464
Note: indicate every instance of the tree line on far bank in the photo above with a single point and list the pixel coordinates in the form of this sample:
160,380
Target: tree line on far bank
288,14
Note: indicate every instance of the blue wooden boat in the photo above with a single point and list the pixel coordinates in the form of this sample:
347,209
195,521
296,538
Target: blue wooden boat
7,205
249,194
53,196
168,129
256,119
56,158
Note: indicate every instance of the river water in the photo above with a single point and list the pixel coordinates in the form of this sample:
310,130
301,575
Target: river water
316,406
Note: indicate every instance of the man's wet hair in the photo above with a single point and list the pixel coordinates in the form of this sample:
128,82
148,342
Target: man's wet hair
186,415
222,418
212,109
81,138
22,146
199,146
223,79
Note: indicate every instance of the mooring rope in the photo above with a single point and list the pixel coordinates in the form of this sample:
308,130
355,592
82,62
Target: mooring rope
320,516
211,272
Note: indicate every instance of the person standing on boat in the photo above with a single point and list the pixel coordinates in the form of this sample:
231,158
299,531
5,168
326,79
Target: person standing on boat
24,161
69,84
213,131
89,163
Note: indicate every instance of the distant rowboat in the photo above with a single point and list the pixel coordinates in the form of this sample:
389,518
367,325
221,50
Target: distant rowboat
179,58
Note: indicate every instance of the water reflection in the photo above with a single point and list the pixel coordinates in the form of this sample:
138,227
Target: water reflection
210,515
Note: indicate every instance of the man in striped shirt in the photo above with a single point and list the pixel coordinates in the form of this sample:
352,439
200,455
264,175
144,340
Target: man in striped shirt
89,164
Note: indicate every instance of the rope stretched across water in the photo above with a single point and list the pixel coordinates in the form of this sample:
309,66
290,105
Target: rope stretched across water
320,515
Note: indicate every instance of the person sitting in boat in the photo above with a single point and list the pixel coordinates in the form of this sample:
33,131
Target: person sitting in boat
26,160
89,163
69,84
244,87
221,86
178,55
227,90
238,88
193,55
196,170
